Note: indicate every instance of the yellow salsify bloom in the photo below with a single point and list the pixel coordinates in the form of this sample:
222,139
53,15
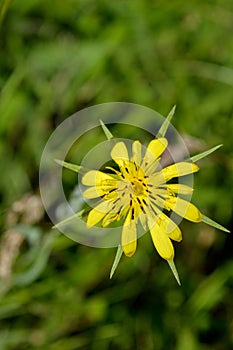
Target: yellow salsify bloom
140,191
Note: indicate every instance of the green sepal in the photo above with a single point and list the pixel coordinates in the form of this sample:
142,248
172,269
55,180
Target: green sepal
116,260
163,129
107,132
210,222
65,221
204,154
174,270
74,167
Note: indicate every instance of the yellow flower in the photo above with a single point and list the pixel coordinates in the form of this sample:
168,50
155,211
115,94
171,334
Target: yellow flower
140,192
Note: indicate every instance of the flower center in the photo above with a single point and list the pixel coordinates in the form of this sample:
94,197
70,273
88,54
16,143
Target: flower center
138,188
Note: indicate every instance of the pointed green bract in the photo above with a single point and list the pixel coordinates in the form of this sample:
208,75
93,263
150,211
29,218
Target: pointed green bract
63,222
210,222
174,270
116,260
162,131
70,166
107,132
204,154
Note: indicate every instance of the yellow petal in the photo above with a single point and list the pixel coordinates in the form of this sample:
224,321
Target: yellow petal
94,217
137,152
92,193
157,147
169,227
129,236
180,188
109,218
184,209
153,151
157,179
119,153
179,169
143,221
176,234
162,242
95,192
97,178
157,201
98,213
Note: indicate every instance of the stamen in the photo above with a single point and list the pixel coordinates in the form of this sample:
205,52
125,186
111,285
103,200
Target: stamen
153,210
161,197
116,200
132,215
153,197
119,210
143,209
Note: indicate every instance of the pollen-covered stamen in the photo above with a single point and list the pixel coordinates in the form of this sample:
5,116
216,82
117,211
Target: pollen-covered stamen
142,203
156,200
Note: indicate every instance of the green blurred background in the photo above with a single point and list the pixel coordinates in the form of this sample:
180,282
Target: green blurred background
57,58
